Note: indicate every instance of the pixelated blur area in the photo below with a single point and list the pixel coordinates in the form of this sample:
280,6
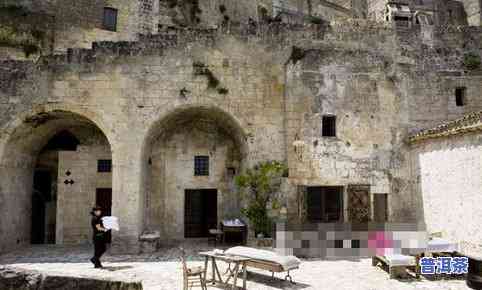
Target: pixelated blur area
334,240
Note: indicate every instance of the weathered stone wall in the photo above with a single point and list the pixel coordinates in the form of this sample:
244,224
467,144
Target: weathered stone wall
450,12
17,279
125,96
378,95
268,86
69,210
25,33
74,201
77,24
210,13
352,86
473,9
329,12
217,13
172,173
448,174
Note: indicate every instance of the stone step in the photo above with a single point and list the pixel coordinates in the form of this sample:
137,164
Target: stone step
18,279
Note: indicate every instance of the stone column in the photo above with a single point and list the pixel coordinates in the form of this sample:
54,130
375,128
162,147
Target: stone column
127,198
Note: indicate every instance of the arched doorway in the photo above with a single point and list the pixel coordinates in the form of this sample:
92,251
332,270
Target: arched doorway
54,163
190,159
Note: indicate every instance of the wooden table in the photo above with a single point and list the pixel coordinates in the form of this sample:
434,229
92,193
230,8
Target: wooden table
238,262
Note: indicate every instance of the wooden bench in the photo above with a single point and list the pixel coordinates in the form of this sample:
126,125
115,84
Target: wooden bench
266,260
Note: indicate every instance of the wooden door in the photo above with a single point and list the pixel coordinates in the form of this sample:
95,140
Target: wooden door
103,198
380,207
211,209
359,203
325,204
200,212
333,204
314,203
42,183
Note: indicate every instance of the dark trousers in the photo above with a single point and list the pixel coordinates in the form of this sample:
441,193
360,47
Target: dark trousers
99,248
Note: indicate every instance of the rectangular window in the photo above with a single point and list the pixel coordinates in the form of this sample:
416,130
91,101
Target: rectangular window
325,204
201,165
329,126
104,165
231,172
110,19
460,96
402,21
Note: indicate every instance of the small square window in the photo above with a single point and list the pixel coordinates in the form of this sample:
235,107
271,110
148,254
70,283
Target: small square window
329,126
460,97
231,172
110,19
104,165
201,165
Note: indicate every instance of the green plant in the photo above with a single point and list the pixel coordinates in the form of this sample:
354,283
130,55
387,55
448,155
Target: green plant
259,187
471,61
14,10
29,41
200,69
223,91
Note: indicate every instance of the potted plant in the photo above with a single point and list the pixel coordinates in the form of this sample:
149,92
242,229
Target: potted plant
259,187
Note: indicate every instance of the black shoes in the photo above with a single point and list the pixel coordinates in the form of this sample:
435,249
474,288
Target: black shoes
96,263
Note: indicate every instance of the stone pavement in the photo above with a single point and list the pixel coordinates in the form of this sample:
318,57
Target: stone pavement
162,270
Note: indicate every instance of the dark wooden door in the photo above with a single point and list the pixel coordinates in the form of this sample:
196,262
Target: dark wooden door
103,198
42,183
380,207
314,203
324,203
333,204
200,212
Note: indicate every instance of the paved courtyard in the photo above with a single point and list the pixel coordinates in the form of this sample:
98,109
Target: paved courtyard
162,270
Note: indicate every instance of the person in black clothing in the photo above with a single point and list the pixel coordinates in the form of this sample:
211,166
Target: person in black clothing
98,236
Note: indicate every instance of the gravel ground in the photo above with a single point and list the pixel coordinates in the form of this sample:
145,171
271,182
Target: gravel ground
162,270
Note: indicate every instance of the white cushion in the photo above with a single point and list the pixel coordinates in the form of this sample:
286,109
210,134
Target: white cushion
287,262
441,245
400,260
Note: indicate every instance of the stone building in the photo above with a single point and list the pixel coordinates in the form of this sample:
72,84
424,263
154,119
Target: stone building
446,164
151,107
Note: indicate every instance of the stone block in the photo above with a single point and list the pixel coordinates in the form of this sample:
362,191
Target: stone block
150,242
17,279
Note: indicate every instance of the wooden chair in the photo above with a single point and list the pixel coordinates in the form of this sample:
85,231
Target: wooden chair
215,235
193,276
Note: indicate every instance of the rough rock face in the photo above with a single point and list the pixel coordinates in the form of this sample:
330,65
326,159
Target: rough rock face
17,279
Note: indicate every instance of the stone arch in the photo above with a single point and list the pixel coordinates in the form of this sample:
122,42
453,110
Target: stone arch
168,157
97,118
23,154
171,114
